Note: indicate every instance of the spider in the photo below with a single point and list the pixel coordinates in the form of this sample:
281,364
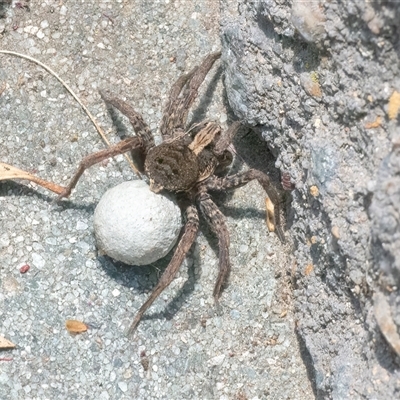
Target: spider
186,164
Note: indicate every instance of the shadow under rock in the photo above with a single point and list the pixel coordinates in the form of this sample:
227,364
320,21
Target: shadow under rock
254,152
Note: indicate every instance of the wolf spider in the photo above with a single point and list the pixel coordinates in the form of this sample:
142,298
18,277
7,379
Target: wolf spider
185,164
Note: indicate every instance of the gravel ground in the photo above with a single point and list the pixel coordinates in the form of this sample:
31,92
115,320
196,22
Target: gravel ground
186,347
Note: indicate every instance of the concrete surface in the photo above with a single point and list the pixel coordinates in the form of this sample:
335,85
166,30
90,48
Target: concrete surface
185,347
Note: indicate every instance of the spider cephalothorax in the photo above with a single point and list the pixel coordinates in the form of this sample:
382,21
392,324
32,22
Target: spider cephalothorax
172,166
185,163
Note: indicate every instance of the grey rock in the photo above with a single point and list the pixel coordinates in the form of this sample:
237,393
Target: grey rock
134,225
328,73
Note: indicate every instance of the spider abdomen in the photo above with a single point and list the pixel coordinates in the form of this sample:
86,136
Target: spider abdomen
172,166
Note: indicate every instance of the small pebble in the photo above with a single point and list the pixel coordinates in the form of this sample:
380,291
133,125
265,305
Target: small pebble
218,360
24,269
123,386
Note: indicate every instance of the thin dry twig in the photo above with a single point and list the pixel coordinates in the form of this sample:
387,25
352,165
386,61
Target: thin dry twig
72,93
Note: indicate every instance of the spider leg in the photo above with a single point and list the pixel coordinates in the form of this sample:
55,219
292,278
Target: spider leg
140,127
88,161
167,122
183,94
216,220
241,179
185,243
226,138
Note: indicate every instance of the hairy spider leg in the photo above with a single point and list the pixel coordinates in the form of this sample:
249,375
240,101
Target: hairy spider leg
185,92
167,123
185,243
140,127
122,147
216,220
241,179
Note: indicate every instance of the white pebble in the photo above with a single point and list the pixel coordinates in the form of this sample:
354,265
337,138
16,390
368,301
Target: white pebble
134,225
38,261
31,29
81,226
218,360
34,50
123,386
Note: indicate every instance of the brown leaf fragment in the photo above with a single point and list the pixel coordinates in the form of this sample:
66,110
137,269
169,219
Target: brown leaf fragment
74,326
308,269
394,105
374,124
314,191
283,314
269,206
10,172
6,344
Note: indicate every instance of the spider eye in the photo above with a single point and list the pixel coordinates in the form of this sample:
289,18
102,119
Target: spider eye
175,171
160,160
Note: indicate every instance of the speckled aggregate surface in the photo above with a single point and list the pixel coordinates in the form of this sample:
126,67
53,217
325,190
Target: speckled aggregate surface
186,347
